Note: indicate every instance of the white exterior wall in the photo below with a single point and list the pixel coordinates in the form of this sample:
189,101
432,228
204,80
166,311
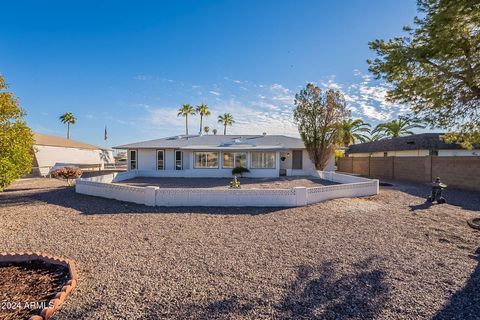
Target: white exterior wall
147,165
403,153
49,157
418,153
459,153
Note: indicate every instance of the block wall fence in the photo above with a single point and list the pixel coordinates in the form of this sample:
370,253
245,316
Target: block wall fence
460,172
105,186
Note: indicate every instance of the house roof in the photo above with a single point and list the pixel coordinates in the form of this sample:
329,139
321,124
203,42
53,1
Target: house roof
220,142
423,141
56,141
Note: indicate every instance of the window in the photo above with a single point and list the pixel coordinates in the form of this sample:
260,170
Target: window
234,159
178,160
385,154
133,159
160,160
263,160
433,153
206,160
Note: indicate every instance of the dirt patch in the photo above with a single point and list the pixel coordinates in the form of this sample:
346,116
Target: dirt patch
26,288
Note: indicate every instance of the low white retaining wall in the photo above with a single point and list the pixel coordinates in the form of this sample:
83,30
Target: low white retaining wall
351,186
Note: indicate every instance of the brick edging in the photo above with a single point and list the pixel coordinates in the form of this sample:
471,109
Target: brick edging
60,296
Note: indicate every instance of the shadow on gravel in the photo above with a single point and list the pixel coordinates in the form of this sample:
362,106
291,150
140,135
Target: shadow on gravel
66,197
421,206
465,303
468,200
316,293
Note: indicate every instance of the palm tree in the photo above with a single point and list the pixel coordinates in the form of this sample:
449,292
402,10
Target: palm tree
397,128
206,129
227,120
203,111
353,131
184,111
69,119
214,132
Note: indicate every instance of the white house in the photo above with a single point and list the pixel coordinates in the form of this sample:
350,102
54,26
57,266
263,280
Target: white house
217,155
53,151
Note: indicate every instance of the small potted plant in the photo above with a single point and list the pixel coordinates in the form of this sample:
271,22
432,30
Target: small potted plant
234,184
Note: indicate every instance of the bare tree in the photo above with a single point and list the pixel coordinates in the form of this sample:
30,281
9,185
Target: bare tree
319,117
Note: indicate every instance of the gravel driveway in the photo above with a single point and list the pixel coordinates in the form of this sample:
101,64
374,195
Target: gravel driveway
385,257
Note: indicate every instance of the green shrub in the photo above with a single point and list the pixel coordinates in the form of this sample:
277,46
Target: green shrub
240,171
68,173
16,139
235,184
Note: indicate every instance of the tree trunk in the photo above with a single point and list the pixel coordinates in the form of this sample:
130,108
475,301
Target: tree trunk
225,129
186,126
68,130
201,122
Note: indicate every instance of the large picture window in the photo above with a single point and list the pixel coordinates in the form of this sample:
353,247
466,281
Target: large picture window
160,160
263,160
206,160
234,159
133,159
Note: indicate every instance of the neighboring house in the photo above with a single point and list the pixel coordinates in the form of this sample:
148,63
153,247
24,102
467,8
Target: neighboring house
217,155
424,144
53,151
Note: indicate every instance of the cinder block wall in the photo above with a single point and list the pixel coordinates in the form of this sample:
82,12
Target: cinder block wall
345,164
461,172
381,167
361,166
412,168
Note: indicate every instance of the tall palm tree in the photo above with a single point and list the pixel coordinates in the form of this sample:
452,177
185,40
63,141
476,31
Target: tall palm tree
203,111
206,129
397,128
69,119
214,132
227,120
353,131
185,111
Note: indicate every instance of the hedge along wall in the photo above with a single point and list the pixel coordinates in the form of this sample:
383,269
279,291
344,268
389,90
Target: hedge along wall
460,172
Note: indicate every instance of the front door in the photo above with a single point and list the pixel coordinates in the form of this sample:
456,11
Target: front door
297,160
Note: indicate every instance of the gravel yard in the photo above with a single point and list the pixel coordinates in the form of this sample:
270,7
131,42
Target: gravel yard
384,257
222,183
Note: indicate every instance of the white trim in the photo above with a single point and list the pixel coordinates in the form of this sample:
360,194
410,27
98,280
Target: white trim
164,159
130,159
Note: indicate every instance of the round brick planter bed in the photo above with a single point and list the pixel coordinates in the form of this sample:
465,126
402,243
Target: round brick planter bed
474,223
33,285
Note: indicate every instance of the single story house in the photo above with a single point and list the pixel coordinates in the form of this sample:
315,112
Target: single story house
420,145
216,156
53,152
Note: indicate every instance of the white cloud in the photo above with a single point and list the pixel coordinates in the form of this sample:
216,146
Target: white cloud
140,77
265,108
280,88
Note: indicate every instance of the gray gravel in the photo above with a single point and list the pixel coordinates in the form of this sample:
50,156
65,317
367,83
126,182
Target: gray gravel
384,257
223,183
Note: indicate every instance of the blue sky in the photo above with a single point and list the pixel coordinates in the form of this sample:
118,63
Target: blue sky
130,65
